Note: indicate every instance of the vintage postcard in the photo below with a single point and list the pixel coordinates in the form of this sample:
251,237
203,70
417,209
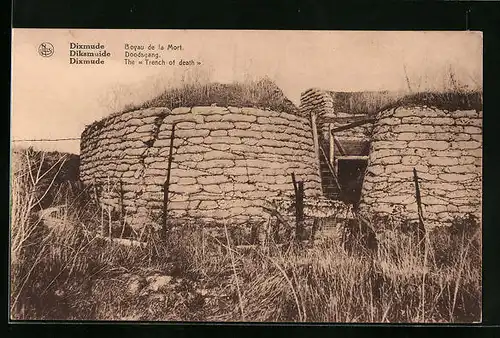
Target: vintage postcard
246,176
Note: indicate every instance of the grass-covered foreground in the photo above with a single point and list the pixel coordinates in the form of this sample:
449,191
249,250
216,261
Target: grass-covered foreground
68,272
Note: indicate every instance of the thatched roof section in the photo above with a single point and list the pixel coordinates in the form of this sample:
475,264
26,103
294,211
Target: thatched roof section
373,102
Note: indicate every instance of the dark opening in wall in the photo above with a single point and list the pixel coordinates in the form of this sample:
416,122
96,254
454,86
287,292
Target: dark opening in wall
351,173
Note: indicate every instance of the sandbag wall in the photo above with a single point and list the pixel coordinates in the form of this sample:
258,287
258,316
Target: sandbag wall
445,148
316,101
226,162
321,103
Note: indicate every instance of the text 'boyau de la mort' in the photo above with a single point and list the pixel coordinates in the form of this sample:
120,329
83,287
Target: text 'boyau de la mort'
87,54
153,55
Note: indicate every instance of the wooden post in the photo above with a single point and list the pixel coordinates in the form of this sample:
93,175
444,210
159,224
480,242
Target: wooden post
332,145
166,185
316,141
417,196
299,211
332,170
165,207
421,227
422,239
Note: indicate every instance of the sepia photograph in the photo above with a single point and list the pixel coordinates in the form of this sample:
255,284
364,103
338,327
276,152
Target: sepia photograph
246,176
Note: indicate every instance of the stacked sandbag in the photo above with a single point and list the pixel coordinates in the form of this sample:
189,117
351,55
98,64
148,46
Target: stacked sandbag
445,148
316,101
226,162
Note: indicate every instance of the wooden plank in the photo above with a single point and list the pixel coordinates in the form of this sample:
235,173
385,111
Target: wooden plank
332,145
353,125
352,158
339,145
353,138
332,171
316,141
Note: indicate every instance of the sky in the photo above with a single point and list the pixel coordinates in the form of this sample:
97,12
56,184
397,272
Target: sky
52,98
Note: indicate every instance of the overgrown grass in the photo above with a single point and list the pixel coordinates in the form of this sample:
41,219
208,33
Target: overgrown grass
374,102
67,272
263,93
453,94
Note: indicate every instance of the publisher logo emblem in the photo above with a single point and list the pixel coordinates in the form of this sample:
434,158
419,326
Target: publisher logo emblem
46,49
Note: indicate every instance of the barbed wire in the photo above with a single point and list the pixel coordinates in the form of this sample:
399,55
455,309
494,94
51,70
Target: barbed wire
48,139
396,184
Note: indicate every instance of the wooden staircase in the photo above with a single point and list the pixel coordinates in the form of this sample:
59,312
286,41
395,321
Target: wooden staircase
328,183
349,151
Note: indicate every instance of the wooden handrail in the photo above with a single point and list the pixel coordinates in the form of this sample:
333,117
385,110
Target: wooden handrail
332,171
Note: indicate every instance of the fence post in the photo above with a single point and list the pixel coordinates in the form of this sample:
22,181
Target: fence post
298,187
421,227
299,211
314,127
165,207
166,185
422,241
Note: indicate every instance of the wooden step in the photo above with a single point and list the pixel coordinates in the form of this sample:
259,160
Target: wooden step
352,158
